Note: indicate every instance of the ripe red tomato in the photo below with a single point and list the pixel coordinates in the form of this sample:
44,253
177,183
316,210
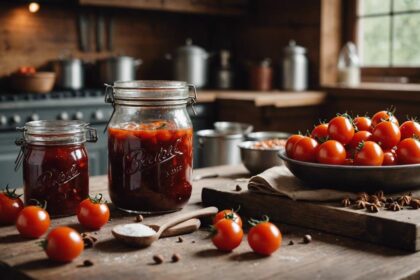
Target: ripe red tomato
264,238
33,221
320,132
228,214
228,235
63,244
369,153
362,123
331,152
384,116
386,134
305,149
10,206
390,157
359,137
341,129
290,143
92,213
410,129
408,151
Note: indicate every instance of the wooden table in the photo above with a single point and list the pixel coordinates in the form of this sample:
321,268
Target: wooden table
326,257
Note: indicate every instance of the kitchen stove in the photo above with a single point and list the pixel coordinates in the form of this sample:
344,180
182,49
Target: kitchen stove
87,105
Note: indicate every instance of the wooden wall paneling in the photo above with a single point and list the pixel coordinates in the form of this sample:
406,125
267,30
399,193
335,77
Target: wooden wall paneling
330,40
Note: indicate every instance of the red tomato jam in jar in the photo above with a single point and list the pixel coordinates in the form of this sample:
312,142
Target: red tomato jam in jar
55,164
150,147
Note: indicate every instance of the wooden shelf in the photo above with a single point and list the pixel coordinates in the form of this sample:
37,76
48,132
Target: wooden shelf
279,99
211,7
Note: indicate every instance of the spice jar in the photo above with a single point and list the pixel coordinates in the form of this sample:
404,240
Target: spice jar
150,146
55,164
261,75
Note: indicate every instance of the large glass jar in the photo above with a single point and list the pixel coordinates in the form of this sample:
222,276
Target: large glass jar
55,164
150,146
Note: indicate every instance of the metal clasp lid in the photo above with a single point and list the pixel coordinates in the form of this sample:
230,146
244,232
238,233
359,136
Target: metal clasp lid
193,99
109,94
21,142
92,135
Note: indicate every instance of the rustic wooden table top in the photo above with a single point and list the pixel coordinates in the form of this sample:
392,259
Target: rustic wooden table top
326,257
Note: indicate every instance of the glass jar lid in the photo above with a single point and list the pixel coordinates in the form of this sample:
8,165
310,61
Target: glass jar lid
46,132
149,92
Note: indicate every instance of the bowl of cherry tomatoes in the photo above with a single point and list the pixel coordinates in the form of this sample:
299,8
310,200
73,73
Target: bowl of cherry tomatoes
357,154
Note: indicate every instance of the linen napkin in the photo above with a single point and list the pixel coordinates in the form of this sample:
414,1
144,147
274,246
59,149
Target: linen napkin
280,181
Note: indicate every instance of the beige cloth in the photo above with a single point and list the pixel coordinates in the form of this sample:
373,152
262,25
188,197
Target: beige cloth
280,181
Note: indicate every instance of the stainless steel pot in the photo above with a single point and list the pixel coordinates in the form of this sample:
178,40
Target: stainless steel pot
190,64
118,68
70,73
218,148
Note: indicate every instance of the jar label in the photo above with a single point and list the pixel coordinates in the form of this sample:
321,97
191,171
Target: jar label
141,159
56,178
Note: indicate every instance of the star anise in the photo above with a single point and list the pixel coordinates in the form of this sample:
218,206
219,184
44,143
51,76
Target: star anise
372,208
381,196
404,200
375,200
362,196
394,206
346,202
415,203
360,204
389,200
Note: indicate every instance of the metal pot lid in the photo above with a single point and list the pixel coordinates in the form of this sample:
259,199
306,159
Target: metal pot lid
292,48
191,49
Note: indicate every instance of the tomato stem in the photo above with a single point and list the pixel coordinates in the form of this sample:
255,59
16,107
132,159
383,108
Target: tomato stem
253,222
11,193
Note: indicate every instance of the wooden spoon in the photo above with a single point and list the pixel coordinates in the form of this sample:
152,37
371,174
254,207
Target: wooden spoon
183,228
142,236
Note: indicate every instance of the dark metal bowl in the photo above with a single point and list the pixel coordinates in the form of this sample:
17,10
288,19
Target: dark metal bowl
395,178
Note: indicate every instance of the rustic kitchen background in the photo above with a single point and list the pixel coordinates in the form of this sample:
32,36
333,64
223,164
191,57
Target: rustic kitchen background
250,30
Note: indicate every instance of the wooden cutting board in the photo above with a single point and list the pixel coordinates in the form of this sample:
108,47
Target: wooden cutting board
394,229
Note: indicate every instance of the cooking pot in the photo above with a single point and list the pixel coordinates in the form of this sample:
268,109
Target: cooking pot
118,68
70,73
190,64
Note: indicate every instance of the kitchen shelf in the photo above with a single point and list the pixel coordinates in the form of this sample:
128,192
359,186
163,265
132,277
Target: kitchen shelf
279,99
221,7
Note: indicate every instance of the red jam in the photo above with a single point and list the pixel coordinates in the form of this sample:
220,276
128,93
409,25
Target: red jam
150,166
57,175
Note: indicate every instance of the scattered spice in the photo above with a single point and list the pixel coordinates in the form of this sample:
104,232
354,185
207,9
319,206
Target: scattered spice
360,204
415,203
88,263
394,206
363,196
158,259
381,196
88,239
176,257
180,239
404,200
139,218
238,188
193,241
291,242
346,202
307,239
372,208
389,200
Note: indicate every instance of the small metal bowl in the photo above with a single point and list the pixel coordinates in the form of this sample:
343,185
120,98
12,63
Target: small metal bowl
393,178
258,160
266,135
233,127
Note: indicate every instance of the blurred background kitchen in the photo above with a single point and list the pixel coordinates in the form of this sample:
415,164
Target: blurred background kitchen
273,65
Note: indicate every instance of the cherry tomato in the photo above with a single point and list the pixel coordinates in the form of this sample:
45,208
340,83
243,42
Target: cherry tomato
228,214
359,137
331,152
341,129
228,235
390,157
33,221
290,143
264,238
386,134
408,151
384,116
369,153
305,149
92,213
362,123
63,244
320,132
410,129
10,206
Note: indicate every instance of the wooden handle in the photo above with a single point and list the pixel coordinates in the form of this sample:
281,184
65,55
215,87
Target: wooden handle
186,216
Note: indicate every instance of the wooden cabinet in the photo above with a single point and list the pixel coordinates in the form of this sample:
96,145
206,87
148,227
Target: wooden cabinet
220,7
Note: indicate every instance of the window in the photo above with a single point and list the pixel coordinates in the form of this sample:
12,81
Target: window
388,33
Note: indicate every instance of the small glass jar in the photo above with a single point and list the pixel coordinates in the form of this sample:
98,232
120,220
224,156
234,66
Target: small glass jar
150,146
55,164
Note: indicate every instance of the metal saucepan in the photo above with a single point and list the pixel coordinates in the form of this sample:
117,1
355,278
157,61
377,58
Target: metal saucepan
233,127
70,73
118,68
